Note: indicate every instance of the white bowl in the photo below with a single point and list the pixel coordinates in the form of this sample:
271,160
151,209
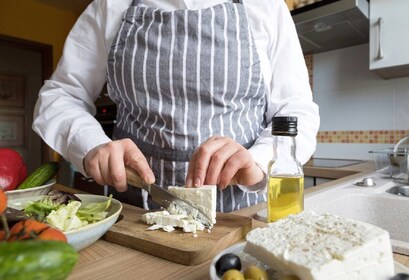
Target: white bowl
31,192
247,260
85,236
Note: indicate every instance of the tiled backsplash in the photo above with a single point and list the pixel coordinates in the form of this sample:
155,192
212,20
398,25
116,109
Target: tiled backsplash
367,137
359,110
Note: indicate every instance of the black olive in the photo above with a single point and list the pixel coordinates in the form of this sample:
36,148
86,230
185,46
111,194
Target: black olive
226,262
400,276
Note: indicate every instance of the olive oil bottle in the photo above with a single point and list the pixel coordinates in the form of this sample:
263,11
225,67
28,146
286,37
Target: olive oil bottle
286,177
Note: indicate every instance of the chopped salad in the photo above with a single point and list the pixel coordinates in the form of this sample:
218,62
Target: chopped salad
66,211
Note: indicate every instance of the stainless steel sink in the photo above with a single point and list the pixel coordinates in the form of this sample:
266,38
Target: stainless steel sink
399,190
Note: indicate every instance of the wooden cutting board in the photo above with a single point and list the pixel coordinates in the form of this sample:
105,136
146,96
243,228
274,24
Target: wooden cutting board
177,246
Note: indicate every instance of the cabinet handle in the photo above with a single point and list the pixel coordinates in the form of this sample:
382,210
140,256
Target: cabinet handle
380,28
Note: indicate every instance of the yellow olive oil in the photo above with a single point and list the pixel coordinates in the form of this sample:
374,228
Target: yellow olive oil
285,197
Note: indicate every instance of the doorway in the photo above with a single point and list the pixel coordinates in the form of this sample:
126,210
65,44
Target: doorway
24,65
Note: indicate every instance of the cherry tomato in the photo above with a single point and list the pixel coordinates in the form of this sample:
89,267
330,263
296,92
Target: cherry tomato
31,229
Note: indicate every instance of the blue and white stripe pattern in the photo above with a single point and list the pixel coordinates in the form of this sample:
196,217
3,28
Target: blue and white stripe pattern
182,76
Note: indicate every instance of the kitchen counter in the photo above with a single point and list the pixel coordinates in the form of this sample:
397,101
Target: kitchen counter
104,260
340,173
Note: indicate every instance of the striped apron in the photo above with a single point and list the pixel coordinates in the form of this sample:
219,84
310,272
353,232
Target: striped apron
179,77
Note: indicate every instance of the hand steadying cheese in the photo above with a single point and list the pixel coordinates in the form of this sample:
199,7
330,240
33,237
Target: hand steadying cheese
203,198
322,247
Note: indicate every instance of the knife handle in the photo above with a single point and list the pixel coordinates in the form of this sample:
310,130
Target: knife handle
133,178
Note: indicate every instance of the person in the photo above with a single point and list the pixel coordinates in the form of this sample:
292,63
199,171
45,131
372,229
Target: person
196,85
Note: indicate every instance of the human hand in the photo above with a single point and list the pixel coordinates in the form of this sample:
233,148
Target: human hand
222,161
106,163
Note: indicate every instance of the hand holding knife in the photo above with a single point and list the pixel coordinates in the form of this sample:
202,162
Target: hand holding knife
164,198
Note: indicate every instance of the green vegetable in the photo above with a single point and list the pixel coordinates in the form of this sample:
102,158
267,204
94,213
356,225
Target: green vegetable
39,210
94,212
65,217
68,217
36,259
40,176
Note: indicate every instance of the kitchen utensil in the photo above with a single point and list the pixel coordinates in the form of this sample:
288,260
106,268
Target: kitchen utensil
166,199
177,246
390,163
402,146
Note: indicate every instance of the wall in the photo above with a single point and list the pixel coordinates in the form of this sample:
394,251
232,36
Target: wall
359,110
41,21
38,21
25,64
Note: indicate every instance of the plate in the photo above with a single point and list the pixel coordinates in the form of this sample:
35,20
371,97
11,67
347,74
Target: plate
247,260
31,192
85,236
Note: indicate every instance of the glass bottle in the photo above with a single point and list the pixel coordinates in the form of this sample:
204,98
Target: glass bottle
286,177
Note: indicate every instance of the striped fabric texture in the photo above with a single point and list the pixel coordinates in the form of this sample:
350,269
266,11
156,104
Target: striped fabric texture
180,77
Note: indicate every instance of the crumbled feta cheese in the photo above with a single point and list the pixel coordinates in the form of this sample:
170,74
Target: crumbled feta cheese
204,198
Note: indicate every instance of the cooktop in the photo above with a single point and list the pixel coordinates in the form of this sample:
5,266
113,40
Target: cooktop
331,163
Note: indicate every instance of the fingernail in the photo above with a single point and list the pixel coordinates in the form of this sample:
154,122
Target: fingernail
189,183
197,182
150,179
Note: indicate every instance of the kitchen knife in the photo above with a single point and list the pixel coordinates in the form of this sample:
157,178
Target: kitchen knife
166,199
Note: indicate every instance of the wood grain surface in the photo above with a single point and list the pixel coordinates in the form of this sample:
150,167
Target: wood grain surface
177,246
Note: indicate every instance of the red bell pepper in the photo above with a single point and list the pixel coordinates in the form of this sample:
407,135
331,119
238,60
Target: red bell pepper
13,170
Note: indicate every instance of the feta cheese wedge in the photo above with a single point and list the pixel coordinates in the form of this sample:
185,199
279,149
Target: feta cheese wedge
323,246
203,198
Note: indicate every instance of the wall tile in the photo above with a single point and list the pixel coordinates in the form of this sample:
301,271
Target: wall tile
359,110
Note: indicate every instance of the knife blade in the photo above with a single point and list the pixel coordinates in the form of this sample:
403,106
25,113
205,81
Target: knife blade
164,198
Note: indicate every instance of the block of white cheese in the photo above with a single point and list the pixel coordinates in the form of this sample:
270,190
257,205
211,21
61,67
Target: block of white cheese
203,198
325,246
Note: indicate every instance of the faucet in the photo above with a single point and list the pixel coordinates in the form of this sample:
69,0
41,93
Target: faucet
399,151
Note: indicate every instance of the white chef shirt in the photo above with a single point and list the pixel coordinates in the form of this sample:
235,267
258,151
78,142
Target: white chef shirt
63,115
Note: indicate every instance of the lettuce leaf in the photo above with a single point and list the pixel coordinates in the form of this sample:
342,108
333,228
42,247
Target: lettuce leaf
65,217
94,212
39,210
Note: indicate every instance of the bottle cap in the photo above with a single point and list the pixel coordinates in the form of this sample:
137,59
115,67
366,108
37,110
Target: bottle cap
284,125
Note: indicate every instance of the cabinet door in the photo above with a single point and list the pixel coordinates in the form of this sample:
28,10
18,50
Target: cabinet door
389,39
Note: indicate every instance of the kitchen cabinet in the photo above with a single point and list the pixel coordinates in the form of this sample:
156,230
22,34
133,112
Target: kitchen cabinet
389,25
